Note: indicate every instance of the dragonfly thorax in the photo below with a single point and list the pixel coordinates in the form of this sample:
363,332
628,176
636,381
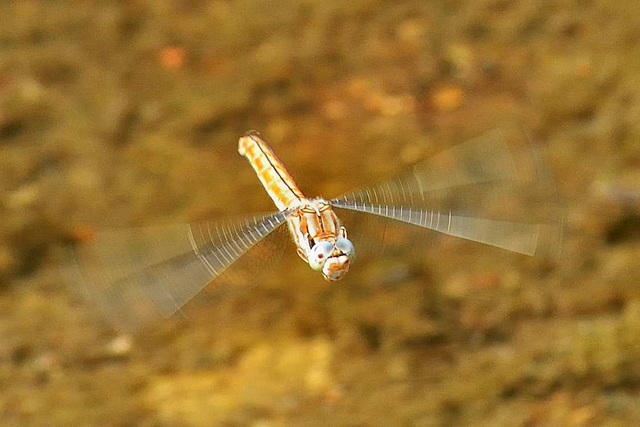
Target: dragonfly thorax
320,237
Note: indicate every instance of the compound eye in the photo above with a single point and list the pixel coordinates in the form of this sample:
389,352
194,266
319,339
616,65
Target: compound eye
319,254
346,247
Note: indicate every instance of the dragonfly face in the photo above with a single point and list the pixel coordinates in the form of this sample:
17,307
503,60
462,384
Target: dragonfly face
326,257
337,264
332,256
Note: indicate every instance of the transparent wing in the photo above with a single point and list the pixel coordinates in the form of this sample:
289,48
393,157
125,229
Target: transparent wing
138,275
493,190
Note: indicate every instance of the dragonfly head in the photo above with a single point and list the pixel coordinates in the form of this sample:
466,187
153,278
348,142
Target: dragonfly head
331,258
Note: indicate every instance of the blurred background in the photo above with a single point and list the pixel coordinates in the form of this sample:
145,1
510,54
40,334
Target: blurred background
116,114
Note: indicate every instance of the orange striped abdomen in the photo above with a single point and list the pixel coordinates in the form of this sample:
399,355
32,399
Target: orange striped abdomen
274,177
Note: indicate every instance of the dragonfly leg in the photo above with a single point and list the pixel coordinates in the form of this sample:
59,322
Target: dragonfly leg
302,254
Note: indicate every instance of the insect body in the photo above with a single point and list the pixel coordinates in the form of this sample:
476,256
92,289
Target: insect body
320,238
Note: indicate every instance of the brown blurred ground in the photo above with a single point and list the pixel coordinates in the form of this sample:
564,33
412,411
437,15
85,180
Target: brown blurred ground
128,113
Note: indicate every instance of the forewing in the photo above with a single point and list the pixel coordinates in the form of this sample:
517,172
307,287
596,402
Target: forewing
138,275
493,189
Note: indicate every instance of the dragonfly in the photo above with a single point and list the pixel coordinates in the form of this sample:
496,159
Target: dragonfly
138,275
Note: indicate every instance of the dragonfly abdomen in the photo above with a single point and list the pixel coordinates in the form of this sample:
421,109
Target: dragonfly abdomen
274,177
